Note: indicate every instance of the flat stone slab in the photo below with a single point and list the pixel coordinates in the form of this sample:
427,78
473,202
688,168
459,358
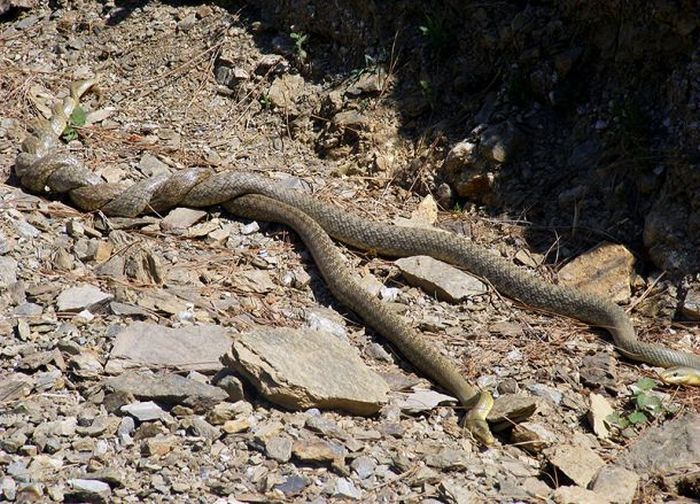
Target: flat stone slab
84,297
143,344
167,388
301,369
604,271
578,463
667,448
440,279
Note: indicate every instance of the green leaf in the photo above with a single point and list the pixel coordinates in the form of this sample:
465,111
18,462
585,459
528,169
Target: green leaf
649,403
69,134
78,117
617,420
645,384
637,418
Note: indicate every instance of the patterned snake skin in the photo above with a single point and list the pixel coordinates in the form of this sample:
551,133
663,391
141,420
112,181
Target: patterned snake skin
43,167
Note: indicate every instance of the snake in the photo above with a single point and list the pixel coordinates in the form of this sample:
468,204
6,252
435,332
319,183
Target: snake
44,166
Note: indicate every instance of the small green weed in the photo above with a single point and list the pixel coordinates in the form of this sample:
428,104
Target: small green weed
300,39
428,91
646,405
76,120
438,37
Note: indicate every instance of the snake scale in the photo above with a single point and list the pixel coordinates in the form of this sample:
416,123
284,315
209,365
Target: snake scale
44,167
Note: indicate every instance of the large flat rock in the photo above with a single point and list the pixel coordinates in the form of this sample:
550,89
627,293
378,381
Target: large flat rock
308,369
186,348
664,449
440,279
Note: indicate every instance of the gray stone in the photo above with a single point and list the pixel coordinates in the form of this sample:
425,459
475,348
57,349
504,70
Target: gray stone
151,166
144,411
575,495
546,392
346,488
89,490
186,348
321,319
440,279
304,369
448,458
86,297
279,448
424,400
666,448
364,466
577,462
8,271
455,493
292,485
181,219
168,388
509,409
616,484
532,437
691,304
285,90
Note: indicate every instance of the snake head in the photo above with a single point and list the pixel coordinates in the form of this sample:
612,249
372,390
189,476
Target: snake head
480,430
681,375
475,419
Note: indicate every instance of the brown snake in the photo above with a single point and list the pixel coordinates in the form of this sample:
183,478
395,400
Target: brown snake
44,167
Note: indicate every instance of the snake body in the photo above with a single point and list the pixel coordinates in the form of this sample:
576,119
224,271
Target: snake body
43,166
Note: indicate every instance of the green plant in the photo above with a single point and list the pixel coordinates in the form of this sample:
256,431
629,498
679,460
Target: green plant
265,101
645,404
428,91
76,120
300,39
439,38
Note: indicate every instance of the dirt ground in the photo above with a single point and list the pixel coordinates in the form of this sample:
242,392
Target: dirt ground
197,84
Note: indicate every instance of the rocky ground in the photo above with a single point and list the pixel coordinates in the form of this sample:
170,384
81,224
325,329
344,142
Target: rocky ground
119,377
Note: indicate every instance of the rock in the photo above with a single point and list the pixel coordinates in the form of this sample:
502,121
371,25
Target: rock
500,142
532,437
181,219
279,448
509,409
293,485
86,297
8,272
225,411
285,91
616,484
424,400
144,411
546,392
319,451
440,279
604,271
691,304
187,348
369,82
167,388
363,466
577,462
575,495
350,119
324,320
305,369
448,459
88,490
425,214
598,370
670,447
151,166
159,445
455,493
346,488
599,411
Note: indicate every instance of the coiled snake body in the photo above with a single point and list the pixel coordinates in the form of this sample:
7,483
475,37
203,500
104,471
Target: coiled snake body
43,167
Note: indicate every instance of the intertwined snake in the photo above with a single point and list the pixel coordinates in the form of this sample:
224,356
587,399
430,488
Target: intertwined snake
44,167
